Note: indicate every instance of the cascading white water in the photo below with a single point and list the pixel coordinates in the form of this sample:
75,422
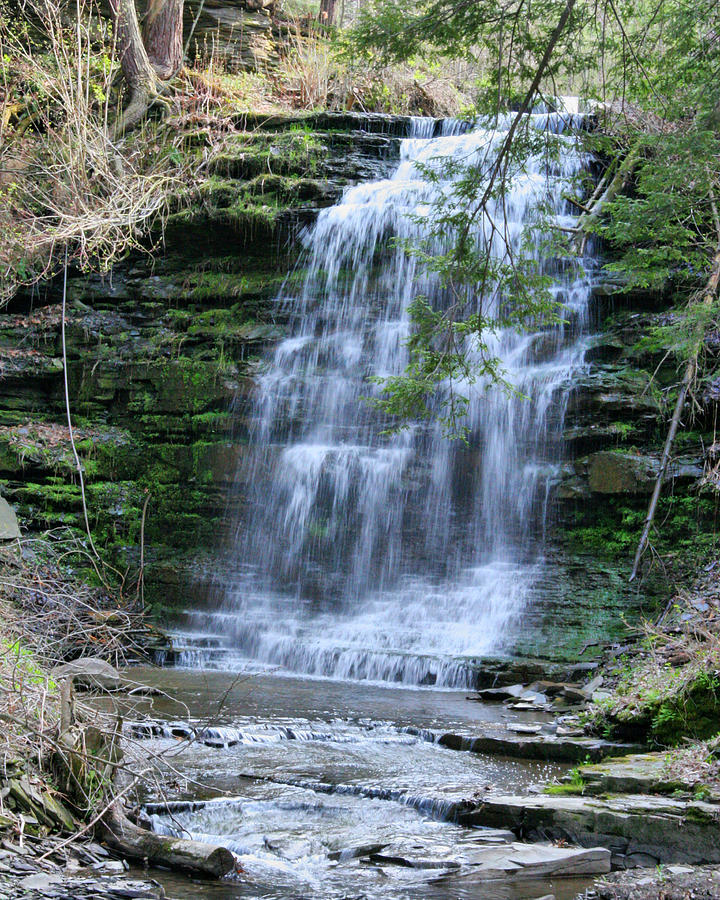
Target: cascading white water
397,557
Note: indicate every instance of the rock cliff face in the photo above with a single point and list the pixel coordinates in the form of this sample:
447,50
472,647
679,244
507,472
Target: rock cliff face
615,430
161,353
241,33
161,357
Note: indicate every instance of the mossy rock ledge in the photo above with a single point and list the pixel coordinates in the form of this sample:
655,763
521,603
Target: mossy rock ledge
162,355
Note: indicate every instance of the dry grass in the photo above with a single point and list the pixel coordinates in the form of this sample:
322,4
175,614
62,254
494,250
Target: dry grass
668,664
666,686
56,615
28,699
313,74
67,187
50,615
64,184
694,764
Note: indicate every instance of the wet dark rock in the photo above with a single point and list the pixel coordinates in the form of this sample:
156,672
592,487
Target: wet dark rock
668,830
574,694
415,861
498,695
536,746
617,473
348,853
613,472
77,887
579,669
370,123
551,688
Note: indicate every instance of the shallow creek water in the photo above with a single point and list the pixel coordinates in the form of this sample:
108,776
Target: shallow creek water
310,773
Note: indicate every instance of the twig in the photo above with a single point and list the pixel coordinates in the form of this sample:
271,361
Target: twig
141,575
78,464
75,835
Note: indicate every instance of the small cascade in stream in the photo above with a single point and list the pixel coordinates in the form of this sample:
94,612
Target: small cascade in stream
363,555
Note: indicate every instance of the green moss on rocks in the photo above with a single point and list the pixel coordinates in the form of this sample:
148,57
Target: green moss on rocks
294,152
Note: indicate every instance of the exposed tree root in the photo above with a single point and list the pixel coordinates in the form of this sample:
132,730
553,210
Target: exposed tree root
141,99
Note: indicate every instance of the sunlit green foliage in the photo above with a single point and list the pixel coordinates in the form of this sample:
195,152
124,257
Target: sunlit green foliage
654,68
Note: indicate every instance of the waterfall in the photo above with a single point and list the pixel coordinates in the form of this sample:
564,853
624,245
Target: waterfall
401,556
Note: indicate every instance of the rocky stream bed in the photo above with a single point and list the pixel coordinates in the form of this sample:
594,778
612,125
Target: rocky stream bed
337,789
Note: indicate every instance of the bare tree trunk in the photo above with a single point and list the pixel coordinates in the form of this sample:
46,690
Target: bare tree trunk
327,11
163,36
690,370
148,59
136,67
715,116
616,185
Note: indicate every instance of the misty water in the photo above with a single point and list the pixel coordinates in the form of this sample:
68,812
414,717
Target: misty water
399,557
370,570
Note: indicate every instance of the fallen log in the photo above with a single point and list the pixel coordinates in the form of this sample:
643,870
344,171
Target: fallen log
89,756
128,839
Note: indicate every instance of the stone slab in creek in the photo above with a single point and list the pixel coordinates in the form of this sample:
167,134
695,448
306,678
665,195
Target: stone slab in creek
528,861
636,828
516,860
536,746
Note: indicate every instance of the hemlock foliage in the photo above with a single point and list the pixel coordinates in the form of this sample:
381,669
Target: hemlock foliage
652,70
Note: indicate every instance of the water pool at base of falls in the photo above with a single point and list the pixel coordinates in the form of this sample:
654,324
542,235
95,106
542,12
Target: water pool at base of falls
338,792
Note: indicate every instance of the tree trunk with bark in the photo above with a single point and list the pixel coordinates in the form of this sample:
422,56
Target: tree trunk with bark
163,36
148,59
327,12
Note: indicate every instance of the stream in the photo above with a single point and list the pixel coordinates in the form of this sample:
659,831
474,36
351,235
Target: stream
330,789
